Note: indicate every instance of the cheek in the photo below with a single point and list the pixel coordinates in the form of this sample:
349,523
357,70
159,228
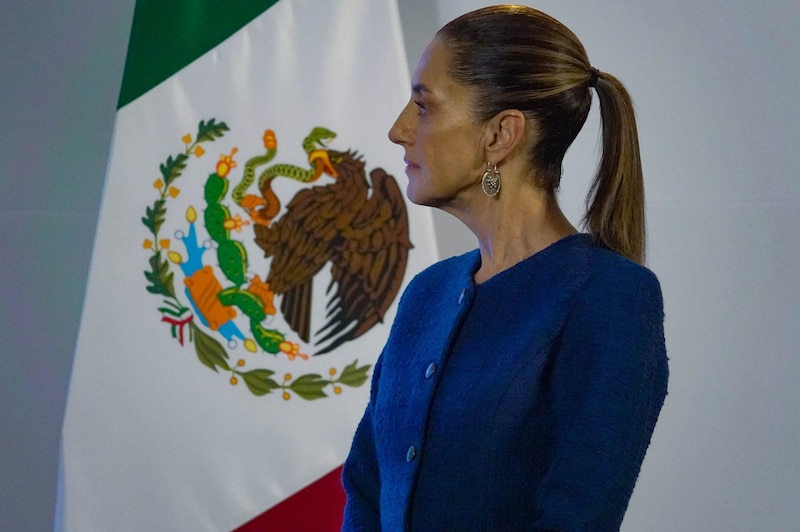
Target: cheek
431,147
424,177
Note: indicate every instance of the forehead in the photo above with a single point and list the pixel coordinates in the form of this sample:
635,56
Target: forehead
431,75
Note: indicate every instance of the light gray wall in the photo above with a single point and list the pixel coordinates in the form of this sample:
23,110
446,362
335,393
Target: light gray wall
60,72
715,85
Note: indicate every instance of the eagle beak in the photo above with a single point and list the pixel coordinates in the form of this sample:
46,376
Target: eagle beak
321,157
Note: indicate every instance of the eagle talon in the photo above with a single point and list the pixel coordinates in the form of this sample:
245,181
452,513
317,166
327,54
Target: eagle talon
252,201
259,217
292,350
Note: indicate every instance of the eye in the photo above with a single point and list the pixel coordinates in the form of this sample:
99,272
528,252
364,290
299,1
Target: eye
420,107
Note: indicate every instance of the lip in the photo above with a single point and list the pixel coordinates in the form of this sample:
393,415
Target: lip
410,165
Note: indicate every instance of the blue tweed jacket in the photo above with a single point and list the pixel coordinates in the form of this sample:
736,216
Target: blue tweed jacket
523,403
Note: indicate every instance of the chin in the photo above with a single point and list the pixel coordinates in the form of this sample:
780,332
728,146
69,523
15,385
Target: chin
411,193
418,197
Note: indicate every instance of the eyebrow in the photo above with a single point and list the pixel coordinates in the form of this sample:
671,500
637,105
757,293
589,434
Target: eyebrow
420,88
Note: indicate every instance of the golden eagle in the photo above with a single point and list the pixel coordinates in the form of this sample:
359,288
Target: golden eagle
365,238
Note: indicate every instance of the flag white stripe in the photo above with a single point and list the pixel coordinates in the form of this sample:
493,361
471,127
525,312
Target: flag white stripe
154,440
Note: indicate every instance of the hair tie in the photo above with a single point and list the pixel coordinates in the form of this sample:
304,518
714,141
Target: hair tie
594,76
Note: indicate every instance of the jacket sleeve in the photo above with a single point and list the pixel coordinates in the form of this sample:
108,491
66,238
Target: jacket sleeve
609,383
360,476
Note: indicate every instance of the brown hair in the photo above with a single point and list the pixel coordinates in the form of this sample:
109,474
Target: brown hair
515,57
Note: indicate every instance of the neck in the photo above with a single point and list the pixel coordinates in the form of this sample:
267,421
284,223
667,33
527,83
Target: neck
517,224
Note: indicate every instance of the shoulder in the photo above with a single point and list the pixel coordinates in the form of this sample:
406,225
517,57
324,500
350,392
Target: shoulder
618,312
607,297
586,268
614,325
580,274
612,279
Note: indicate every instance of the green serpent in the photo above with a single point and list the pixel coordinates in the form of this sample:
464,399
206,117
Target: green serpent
263,209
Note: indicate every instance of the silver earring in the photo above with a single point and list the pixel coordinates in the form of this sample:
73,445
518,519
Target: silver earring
490,182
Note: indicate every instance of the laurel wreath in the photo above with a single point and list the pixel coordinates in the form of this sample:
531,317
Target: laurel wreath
209,351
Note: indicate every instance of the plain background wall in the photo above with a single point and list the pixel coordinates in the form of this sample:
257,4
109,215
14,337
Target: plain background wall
716,87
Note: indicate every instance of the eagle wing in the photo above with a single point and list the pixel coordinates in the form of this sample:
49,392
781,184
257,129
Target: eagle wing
299,244
369,259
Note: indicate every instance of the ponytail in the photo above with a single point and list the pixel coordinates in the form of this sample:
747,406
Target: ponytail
615,204
515,57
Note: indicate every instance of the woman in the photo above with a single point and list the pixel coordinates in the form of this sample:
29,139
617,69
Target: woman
521,382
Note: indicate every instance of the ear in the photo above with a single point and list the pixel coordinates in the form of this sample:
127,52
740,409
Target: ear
505,134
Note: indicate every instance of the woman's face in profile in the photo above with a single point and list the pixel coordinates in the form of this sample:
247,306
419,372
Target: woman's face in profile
442,141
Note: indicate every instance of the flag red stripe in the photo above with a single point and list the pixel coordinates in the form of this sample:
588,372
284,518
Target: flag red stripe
319,507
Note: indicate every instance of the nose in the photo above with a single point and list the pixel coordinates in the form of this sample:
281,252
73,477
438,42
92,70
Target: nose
401,131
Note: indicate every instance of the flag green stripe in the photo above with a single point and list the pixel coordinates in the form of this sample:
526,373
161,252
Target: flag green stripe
168,35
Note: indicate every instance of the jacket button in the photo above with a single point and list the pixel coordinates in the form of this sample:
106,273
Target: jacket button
431,370
411,453
461,297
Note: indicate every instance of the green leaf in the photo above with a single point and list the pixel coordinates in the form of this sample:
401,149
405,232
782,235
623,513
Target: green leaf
155,286
180,309
172,312
210,131
259,382
172,169
160,277
209,351
309,386
155,216
354,376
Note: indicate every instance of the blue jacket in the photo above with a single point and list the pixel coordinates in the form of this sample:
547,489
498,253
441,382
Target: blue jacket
524,403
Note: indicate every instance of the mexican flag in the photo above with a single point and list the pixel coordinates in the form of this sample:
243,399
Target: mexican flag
251,248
